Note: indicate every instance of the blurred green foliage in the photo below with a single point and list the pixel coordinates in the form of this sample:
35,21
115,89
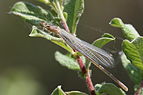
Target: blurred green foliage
18,82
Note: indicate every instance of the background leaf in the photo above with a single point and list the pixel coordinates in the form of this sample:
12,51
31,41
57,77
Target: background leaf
138,42
129,31
67,61
116,22
133,53
105,39
58,91
74,9
133,59
108,89
31,13
135,74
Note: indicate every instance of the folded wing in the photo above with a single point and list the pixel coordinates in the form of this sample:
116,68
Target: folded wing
94,54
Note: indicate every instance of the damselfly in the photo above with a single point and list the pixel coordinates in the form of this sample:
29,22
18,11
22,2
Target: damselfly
96,55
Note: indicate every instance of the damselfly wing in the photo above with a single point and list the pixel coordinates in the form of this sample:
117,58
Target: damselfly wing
93,53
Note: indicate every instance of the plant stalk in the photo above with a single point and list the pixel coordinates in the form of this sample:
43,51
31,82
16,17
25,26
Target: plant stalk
63,20
84,71
87,76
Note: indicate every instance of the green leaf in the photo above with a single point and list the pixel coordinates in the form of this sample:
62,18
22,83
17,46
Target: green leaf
138,42
135,74
47,2
58,91
75,93
67,61
65,15
108,89
129,31
133,53
74,9
116,22
106,38
31,13
39,33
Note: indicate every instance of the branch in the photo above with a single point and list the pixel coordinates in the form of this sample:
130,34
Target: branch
82,66
87,74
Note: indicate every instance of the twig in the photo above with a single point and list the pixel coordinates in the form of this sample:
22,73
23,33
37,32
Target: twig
82,66
138,92
90,84
88,79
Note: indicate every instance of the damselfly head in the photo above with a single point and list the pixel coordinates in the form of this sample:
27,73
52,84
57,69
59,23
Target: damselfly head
49,27
44,24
